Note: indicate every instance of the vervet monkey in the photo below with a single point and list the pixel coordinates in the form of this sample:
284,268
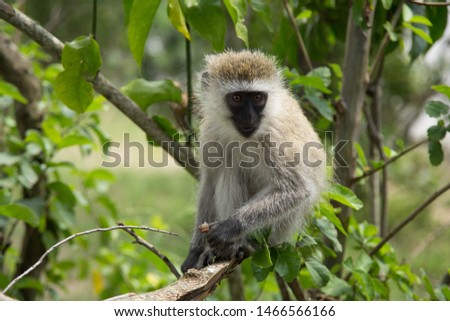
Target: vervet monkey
272,168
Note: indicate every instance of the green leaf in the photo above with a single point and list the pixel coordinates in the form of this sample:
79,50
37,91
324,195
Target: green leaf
365,281
337,70
177,18
443,89
82,53
328,229
73,90
8,159
407,13
319,272
435,153
323,106
28,176
311,81
288,263
237,10
304,15
419,32
145,93
344,196
386,4
421,20
439,17
429,287
262,257
142,13
327,210
63,193
166,126
262,8
20,212
7,89
206,16
260,273
337,287
74,139
361,155
436,132
436,109
393,36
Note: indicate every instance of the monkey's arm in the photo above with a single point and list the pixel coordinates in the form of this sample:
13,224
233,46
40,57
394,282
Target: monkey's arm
272,204
199,256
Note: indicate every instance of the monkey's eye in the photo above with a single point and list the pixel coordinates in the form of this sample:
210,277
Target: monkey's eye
235,99
259,99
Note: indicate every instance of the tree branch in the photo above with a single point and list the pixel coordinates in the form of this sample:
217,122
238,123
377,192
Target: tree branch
153,249
306,61
53,247
103,86
409,218
194,285
389,161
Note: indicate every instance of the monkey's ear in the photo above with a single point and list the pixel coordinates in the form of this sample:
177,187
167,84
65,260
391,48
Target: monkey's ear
205,79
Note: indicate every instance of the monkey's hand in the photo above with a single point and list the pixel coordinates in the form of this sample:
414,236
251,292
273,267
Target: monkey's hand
198,257
227,240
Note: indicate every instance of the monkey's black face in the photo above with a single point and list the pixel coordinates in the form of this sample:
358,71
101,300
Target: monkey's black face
246,108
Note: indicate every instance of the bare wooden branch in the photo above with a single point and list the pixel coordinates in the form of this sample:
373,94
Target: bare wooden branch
410,218
294,285
139,240
103,86
305,60
194,285
96,230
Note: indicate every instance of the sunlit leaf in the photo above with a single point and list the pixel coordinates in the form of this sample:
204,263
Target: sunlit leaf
237,10
142,13
177,18
419,32
7,89
344,196
443,89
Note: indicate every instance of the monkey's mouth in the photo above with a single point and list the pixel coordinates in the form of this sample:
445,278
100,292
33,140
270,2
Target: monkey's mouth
247,131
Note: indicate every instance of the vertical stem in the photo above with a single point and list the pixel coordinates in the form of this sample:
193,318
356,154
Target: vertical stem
94,19
189,87
353,93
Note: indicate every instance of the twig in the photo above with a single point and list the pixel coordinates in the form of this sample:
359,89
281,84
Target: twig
297,290
409,218
389,161
431,4
95,230
425,242
103,86
298,37
377,62
283,288
153,249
